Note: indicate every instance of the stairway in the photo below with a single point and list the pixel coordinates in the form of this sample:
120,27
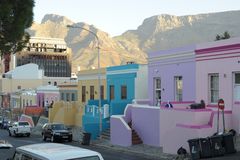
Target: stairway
135,137
106,134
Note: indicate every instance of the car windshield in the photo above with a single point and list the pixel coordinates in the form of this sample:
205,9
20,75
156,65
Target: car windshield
23,123
87,158
58,126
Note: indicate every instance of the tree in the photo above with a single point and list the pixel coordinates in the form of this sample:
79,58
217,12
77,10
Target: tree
218,37
225,35
15,17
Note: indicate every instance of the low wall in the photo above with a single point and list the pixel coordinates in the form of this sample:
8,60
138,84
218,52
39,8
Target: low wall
145,121
120,132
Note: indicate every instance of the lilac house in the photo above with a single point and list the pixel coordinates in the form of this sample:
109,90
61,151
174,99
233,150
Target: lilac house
183,76
172,76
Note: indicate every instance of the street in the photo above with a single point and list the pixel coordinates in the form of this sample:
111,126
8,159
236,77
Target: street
106,153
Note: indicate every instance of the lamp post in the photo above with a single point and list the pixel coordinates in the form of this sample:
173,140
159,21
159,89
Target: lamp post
99,74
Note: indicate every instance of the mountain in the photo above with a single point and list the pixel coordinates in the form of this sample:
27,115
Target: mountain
155,33
169,31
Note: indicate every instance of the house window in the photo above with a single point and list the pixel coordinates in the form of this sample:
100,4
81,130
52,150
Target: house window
178,88
73,97
19,87
157,90
83,93
124,92
91,92
214,87
67,96
236,86
102,92
111,92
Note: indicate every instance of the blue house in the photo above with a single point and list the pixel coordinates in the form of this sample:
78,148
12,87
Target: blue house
125,83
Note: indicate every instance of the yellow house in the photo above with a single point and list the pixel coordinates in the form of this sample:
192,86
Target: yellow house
68,110
88,85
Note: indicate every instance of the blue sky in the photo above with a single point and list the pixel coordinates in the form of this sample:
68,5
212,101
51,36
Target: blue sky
117,16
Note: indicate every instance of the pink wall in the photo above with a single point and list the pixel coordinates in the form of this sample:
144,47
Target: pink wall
221,57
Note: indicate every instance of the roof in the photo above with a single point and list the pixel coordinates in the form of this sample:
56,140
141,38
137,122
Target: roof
53,151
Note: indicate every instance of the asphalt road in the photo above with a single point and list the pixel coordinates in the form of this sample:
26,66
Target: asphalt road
106,153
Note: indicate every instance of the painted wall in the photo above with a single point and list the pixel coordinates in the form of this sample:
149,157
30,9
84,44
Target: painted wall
141,82
13,85
27,71
90,78
118,76
222,57
147,128
66,112
163,126
120,133
168,64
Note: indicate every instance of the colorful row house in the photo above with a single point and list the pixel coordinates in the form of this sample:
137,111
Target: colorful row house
123,84
183,76
88,90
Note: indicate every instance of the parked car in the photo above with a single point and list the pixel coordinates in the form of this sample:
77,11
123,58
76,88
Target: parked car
56,132
55,151
5,124
20,128
4,144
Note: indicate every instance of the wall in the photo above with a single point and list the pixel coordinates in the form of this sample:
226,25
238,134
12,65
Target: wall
27,71
90,78
11,85
222,57
168,64
148,128
118,76
120,133
141,83
67,113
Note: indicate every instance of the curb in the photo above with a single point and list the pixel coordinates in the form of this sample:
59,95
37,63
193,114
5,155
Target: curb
154,156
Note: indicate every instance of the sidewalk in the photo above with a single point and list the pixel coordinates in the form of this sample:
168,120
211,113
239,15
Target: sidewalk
156,152
146,150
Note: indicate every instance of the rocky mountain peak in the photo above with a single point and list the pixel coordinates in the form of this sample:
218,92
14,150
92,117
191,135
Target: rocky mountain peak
56,19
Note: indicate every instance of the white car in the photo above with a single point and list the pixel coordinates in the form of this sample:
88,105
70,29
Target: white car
20,128
55,151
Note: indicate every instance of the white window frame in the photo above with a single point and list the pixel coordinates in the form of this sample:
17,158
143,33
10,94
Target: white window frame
157,89
236,85
210,89
178,93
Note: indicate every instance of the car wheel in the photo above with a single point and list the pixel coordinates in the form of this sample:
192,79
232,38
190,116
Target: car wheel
28,134
15,134
43,137
52,139
9,133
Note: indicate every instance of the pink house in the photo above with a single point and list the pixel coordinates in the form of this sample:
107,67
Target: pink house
218,75
211,69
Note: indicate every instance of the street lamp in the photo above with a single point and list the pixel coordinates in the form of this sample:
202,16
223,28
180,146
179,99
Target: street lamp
99,74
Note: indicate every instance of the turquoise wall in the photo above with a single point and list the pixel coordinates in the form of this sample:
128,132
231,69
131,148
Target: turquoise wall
121,77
